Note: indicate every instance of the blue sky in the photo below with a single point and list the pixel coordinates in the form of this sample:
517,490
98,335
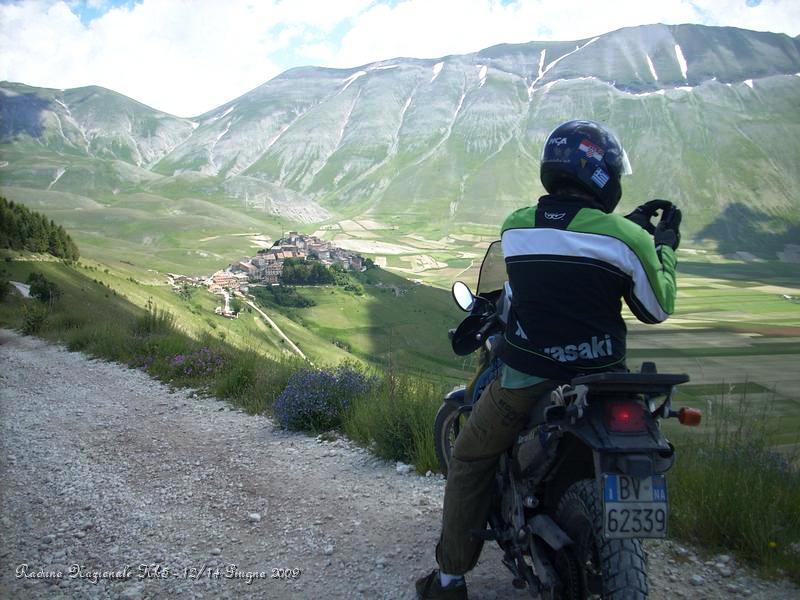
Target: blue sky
189,56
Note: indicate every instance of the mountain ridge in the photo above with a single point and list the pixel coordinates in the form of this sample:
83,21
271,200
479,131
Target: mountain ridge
411,139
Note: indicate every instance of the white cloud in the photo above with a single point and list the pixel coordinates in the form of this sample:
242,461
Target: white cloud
188,56
180,56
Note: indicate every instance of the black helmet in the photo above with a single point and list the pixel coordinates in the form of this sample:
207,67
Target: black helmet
587,155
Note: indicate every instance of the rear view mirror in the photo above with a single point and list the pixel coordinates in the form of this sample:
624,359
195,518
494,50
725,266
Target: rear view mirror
463,296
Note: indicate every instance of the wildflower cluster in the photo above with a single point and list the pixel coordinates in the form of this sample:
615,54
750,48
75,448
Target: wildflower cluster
201,362
315,399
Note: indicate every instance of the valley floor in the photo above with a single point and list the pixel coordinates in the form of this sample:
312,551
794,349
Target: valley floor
105,468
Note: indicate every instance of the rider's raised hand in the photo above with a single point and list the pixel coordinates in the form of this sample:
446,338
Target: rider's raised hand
643,214
667,231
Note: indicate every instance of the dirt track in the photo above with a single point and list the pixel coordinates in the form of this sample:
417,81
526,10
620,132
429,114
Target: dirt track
105,469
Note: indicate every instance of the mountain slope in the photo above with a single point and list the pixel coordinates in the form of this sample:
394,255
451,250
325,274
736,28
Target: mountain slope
708,115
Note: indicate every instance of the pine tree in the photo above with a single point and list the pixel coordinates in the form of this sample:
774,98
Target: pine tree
24,229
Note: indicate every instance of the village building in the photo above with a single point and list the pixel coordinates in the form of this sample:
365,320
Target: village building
224,279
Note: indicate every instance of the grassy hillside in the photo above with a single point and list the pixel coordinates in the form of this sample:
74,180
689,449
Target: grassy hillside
180,235
395,323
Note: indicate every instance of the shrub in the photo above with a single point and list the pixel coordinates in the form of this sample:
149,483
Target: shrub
314,400
33,318
236,305
43,289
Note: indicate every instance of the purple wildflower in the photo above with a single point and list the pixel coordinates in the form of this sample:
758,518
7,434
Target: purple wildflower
315,399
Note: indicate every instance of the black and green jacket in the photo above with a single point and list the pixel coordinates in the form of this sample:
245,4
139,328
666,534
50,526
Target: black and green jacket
569,268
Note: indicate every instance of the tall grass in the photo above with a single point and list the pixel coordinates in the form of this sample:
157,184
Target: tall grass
396,420
731,490
155,321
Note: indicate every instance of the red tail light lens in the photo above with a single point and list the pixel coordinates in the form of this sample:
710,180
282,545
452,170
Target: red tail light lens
625,416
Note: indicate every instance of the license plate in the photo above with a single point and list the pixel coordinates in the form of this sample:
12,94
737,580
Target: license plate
634,508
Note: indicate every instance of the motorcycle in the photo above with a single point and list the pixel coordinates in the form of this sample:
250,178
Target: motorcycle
574,495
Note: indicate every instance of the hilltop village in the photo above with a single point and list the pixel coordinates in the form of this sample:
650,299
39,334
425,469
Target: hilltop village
266,267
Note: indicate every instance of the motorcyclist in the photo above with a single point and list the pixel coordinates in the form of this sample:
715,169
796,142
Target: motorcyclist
569,262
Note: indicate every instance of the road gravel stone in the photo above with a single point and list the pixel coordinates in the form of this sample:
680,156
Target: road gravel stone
131,489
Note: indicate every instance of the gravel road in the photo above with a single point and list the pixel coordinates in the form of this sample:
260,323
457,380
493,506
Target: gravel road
131,490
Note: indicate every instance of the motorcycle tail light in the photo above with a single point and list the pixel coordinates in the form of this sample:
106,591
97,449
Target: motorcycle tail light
625,416
690,417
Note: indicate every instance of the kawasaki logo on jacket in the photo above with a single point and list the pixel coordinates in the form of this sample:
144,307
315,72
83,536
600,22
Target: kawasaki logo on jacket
593,349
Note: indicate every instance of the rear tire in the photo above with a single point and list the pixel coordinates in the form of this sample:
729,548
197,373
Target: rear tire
613,569
446,427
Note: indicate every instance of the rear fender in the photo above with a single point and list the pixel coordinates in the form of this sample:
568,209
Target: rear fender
638,454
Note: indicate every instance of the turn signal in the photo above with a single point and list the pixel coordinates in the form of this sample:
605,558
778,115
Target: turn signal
689,416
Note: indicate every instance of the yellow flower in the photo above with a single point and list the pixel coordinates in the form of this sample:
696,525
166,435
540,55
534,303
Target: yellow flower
773,545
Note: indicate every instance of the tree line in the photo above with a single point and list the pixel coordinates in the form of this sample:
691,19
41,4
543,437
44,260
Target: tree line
24,229
298,271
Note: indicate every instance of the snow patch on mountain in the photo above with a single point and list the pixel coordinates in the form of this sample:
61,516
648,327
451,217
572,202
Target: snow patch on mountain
59,173
543,72
656,93
216,118
681,60
61,128
539,76
448,132
212,167
482,75
652,68
550,84
351,79
437,68
347,118
577,49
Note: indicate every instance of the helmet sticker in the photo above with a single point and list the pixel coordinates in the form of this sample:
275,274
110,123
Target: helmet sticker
601,178
591,150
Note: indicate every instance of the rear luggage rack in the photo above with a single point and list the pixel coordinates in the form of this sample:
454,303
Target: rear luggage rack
642,383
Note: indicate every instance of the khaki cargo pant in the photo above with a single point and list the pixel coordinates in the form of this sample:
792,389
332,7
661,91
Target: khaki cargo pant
494,424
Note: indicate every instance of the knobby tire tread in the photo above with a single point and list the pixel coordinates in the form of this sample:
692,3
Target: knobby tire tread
623,562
